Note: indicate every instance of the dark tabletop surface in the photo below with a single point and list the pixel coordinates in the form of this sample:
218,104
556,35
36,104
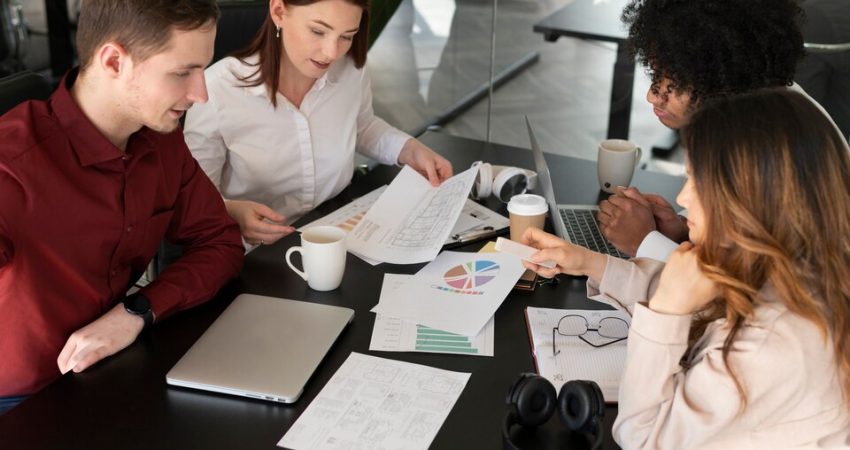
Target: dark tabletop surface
587,19
123,402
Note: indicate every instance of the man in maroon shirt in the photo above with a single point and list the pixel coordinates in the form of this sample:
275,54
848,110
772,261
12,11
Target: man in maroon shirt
92,180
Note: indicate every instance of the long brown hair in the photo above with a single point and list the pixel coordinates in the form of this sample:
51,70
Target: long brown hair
269,47
774,174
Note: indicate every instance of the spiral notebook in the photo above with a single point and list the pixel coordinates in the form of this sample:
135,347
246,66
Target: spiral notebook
576,360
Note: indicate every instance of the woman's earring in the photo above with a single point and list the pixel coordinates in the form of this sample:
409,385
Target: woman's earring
278,31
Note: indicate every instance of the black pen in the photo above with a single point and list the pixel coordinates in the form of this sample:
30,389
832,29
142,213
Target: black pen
471,236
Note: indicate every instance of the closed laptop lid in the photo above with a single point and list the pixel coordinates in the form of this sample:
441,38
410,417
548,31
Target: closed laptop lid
261,347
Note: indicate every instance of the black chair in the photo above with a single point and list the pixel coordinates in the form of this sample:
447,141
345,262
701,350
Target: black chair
239,22
22,86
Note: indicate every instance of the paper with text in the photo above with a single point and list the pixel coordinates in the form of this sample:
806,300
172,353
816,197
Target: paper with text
458,292
377,403
576,359
391,334
411,220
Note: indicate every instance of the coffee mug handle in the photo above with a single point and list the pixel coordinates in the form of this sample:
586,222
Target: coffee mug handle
638,154
289,262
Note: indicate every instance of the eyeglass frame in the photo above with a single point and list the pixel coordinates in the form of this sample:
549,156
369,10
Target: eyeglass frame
587,328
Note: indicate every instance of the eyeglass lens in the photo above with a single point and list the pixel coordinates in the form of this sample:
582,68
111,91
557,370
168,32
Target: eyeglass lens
609,327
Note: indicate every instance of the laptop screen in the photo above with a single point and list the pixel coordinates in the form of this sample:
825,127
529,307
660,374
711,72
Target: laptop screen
545,181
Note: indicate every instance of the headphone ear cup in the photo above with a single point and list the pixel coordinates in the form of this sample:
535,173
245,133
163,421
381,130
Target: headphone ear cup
484,182
508,181
533,400
581,405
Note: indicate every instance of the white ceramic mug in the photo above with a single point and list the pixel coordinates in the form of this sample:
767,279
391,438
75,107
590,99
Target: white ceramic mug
616,162
322,255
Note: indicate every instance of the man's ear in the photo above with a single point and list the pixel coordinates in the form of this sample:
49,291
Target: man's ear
112,59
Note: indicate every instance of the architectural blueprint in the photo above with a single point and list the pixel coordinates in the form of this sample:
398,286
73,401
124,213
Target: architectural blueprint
374,403
411,220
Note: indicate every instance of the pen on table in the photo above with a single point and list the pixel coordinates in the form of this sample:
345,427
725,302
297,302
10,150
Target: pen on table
474,235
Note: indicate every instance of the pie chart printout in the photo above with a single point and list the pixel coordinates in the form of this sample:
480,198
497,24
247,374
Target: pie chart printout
471,275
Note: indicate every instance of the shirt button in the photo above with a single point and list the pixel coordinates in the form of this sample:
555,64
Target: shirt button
113,272
129,228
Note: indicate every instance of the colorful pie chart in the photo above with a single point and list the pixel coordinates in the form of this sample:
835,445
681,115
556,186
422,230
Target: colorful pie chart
471,275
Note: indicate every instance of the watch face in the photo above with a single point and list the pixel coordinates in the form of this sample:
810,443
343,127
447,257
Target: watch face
137,304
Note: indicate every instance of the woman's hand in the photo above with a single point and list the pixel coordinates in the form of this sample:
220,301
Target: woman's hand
683,288
259,224
569,258
425,161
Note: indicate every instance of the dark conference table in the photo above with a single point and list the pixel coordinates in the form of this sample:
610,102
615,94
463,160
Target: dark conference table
123,402
599,21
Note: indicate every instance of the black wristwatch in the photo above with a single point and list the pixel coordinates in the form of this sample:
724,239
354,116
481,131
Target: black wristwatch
139,305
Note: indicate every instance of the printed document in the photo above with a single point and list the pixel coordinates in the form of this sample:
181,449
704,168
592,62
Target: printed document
411,220
576,360
398,335
377,403
457,292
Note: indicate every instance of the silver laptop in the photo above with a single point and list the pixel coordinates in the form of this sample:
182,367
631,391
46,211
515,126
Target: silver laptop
261,347
574,223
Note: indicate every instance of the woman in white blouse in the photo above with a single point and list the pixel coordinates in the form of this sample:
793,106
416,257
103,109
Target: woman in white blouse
743,340
285,115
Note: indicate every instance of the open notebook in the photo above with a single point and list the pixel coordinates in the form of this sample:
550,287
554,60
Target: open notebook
576,359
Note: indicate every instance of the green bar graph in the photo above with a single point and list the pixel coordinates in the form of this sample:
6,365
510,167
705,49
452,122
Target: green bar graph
429,339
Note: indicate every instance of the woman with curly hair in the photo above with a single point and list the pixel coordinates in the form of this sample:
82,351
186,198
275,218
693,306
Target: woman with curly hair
742,340
695,51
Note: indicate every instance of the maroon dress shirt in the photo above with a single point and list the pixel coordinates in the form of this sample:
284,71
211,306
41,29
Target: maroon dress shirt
80,220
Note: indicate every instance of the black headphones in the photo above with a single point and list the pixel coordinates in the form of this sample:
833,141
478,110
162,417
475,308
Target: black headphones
531,402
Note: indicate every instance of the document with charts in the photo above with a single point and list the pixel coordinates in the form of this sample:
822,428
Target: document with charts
576,360
458,292
377,403
391,334
411,220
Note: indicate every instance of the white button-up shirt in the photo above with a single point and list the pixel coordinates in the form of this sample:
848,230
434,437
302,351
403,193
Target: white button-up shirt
290,159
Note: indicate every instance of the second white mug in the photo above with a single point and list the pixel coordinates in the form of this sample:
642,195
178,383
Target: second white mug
616,162
323,253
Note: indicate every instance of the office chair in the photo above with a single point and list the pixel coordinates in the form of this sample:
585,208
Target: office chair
22,86
13,37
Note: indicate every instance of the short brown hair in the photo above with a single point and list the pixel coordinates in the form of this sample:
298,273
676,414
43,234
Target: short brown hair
268,46
142,27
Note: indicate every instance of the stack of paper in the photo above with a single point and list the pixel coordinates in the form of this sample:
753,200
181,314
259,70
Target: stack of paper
398,335
411,220
457,292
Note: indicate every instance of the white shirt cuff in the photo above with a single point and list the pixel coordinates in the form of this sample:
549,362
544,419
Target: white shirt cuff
656,246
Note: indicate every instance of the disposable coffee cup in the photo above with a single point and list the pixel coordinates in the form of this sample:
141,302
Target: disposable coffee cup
526,210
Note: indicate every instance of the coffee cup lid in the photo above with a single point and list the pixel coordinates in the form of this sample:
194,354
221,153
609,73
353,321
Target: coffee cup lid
527,205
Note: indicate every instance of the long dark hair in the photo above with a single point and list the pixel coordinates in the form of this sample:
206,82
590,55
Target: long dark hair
774,173
269,47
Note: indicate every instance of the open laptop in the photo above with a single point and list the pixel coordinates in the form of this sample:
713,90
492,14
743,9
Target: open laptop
261,347
574,223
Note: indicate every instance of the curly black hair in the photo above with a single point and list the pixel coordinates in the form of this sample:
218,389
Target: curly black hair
716,47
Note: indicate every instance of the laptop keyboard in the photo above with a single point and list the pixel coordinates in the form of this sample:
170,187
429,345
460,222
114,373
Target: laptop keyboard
584,230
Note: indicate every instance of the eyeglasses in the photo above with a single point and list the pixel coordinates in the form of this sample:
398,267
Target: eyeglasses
575,325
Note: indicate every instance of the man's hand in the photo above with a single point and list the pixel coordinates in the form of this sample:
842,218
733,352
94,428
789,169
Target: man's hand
259,223
425,161
625,219
108,335
683,287
667,220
